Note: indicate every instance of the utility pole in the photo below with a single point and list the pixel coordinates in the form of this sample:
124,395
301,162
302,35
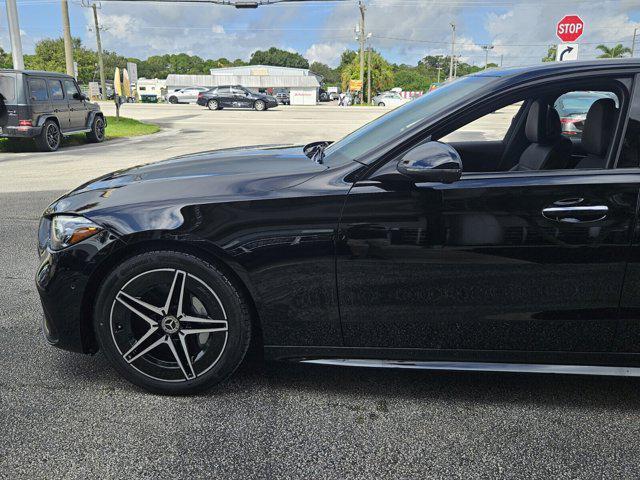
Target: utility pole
486,49
438,69
453,49
633,43
14,34
455,68
103,82
501,58
362,40
369,75
66,33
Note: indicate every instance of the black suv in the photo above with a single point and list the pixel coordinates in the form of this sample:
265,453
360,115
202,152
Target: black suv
235,96
45,106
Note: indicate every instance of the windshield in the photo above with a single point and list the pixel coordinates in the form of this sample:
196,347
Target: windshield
380,131
8,87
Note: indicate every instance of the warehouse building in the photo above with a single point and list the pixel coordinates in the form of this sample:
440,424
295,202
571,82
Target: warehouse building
302,84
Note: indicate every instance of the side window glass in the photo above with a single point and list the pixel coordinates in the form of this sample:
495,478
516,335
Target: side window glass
224,91
70,88
55,90
491,127
38,90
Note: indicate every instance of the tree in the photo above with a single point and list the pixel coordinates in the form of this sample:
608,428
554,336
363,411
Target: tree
5,59
331,76
278,58
618,51
381,74
346,58
551,54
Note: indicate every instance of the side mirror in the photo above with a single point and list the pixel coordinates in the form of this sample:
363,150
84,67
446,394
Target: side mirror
79,96
431,162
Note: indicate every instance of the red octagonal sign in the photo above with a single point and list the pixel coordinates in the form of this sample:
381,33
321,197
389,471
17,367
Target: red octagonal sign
570,28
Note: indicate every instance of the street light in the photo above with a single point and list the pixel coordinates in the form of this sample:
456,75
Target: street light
486,49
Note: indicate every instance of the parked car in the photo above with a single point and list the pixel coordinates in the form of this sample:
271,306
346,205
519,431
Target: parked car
387,248
389,99
323,95
46,106
283,98
573,107
235,96
185,95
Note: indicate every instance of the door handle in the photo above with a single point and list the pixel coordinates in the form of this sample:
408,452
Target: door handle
576,214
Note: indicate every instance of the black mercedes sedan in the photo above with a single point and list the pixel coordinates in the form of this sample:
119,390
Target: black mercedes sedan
413,242
235,96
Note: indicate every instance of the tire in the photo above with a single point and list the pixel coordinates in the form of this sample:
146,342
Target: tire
208,294
381,104
173,99
259,105
96,135
50,138
213,105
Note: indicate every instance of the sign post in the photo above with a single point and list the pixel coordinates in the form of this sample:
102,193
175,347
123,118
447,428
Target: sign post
569,29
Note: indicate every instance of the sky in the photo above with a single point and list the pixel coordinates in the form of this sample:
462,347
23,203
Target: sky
402,30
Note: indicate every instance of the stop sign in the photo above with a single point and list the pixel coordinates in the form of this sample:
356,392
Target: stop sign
570,28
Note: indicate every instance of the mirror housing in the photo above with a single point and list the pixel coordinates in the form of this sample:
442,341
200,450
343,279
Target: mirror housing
79,96
431,162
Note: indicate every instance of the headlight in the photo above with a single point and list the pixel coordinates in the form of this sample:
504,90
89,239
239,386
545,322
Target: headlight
67,230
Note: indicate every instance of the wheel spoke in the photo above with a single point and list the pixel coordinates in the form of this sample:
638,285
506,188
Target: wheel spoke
172,347
191,318
191,331
160,341
172,292
141,304
140,342
183,342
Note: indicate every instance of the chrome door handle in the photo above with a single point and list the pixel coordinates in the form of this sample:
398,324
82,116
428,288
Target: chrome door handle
577,214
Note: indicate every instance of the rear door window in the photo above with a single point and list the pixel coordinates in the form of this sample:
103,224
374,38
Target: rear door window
55,90
38,90
573,107
8,87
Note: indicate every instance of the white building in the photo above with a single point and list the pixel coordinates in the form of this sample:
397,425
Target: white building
301,83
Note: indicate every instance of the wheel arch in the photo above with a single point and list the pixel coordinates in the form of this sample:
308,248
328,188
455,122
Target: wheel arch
43,118
93,114
136,246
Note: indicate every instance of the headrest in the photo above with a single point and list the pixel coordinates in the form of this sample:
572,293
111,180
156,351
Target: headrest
543,123
598,127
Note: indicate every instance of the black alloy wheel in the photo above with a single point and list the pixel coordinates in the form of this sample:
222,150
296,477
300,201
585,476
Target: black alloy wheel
97,133
172,323
50,137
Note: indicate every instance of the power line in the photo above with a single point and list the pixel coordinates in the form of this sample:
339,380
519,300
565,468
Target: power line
495,43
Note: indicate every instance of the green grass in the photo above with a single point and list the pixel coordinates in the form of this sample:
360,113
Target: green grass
128,127
116,128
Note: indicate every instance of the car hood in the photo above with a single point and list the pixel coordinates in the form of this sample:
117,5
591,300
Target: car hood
208,177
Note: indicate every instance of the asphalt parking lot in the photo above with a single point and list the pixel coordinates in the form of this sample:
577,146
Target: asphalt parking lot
70,416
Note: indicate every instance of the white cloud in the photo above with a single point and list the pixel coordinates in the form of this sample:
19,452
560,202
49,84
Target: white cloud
328,53
524,33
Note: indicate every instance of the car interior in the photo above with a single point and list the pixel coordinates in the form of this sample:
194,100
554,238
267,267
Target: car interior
535,140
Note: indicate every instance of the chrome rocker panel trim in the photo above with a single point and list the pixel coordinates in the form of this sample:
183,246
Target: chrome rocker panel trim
482,367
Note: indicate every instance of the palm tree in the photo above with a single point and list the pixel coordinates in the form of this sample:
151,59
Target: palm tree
615,52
